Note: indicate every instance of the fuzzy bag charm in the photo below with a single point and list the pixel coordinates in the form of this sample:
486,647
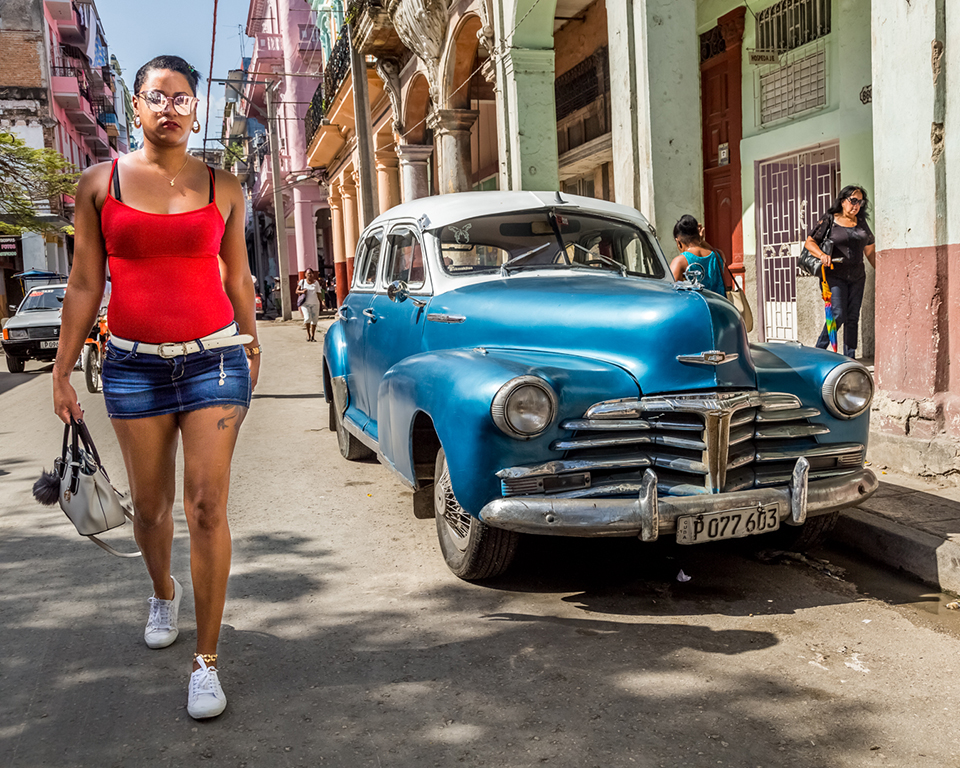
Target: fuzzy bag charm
80,484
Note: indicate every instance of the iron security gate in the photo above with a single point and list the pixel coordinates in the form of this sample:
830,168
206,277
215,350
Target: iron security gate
793,192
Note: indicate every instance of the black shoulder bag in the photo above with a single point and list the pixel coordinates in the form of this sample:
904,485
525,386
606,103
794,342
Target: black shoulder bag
810,264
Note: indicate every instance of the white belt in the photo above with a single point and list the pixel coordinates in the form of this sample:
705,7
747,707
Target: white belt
225,337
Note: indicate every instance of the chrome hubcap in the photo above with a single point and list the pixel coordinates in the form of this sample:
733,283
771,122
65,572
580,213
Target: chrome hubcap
457,520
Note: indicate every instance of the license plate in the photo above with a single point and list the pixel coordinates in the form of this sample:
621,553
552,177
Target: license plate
734,524
48,344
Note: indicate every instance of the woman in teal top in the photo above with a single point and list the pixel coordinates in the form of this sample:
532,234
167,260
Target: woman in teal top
688,235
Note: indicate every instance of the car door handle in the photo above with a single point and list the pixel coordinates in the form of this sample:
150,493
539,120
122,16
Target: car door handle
370,314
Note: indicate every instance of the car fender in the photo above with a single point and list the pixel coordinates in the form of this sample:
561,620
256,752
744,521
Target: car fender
801,371
455,389
334,358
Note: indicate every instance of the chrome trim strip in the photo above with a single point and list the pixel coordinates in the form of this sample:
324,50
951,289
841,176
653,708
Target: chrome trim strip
633,517
439,317
783,454
566,465
794,413
787,431
605,424
574,443
710,357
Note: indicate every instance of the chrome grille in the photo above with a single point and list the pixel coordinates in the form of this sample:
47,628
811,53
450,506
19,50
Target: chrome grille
43,332
698,443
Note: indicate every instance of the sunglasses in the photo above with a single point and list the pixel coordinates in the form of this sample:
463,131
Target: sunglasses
855,200
157,101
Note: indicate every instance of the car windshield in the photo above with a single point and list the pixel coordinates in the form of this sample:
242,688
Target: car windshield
547,239
43,298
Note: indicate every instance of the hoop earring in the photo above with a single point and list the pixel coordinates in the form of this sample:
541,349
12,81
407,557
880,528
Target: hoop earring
136,121
196,126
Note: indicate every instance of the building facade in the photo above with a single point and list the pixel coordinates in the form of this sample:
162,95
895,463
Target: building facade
751,116
60,92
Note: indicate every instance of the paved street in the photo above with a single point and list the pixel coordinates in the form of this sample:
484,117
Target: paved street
347,642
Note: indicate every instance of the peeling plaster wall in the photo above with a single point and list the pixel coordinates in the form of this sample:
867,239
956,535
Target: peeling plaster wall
916,55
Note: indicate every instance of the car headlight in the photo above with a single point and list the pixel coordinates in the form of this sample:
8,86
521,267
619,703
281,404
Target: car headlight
848,390
524,407
17,333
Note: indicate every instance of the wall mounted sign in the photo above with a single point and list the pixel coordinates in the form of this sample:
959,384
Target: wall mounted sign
763,57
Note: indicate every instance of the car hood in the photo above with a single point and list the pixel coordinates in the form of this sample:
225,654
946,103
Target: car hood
637,324
34,318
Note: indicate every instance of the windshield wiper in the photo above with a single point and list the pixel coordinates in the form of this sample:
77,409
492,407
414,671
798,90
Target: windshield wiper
516,260
600,257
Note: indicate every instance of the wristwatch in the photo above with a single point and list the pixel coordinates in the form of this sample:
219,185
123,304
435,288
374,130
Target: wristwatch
252,351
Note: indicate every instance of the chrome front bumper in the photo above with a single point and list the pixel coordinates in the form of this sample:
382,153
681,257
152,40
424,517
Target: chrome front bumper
648,515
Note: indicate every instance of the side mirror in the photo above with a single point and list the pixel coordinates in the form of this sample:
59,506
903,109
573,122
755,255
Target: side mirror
12,308
397,291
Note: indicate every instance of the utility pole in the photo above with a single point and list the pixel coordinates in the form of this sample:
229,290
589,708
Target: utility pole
279,219
369,204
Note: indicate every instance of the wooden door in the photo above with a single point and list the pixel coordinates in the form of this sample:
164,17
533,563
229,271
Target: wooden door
722,129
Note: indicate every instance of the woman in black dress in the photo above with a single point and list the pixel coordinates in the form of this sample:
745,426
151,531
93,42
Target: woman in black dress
846,222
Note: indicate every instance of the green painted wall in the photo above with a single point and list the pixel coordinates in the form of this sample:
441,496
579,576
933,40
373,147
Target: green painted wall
844,118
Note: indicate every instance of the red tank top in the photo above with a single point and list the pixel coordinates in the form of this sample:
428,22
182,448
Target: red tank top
164,270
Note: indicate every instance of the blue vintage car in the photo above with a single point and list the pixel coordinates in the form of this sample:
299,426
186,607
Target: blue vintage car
525,362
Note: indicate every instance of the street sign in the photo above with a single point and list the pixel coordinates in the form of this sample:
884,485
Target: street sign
763,57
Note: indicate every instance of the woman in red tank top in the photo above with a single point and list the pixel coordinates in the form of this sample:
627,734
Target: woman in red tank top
182,315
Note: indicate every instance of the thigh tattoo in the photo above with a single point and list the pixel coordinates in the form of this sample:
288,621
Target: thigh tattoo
232,418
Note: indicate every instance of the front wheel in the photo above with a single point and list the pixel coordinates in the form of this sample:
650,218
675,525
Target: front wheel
15,364
350,448
473,550
91,367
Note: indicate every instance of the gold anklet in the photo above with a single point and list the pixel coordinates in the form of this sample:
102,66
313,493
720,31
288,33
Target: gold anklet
210,659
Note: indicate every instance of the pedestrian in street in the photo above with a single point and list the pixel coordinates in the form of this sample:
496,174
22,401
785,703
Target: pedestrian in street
694,249
309,288
175,368
846,224
331,297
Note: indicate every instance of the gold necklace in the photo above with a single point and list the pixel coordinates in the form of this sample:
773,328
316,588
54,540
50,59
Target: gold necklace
177,173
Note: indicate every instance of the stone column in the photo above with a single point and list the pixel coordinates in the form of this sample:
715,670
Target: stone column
655,93
339,251
413,169
304,208
916,424
388,178
351,222
452,128
528,119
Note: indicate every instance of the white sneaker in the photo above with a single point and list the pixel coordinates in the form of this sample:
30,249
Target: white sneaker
205,697
161,628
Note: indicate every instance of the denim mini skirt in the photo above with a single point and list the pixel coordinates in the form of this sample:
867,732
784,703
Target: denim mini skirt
137,385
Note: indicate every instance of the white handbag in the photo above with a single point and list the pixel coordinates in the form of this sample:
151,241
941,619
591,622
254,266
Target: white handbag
85,492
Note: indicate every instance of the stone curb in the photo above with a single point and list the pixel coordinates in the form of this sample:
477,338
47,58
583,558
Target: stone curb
933,560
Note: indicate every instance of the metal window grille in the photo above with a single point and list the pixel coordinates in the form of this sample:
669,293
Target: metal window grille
793,88
791,23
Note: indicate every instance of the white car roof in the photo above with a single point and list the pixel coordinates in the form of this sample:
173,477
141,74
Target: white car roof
442,210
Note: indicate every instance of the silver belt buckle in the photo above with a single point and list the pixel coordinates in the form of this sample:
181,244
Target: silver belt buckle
179,348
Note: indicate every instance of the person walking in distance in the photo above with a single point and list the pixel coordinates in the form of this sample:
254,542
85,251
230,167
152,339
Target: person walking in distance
183,358
846,224
309,289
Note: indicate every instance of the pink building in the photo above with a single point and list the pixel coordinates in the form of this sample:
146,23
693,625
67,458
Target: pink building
286,50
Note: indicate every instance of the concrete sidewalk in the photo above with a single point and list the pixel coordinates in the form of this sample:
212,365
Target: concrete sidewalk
911,524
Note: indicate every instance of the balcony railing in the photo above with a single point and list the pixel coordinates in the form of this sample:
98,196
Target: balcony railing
78,73
336,70
315,112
